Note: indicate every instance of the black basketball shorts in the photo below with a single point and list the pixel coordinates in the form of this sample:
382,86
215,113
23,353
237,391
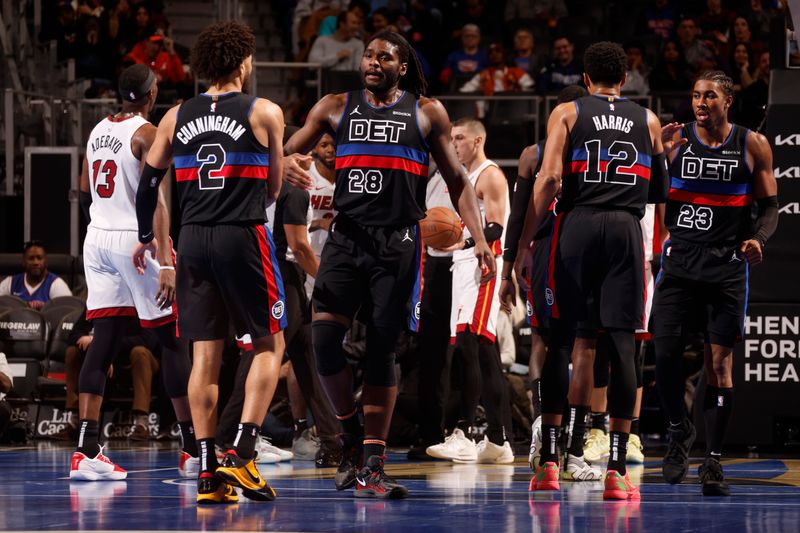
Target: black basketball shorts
700,288
598,270
536,309
373,270
228,272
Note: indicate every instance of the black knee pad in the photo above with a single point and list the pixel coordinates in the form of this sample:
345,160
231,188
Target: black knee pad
379,369
604,346
175,363
106,342
327,337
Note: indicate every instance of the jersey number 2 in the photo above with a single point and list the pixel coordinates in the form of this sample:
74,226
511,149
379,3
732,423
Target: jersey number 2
212,157
104,188
623,155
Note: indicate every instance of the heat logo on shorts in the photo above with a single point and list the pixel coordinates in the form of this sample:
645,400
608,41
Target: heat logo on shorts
278,310
548,296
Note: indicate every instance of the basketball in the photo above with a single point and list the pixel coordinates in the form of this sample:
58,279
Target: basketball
441,227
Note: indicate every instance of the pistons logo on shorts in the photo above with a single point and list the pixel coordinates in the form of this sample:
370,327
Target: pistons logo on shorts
417,308
278,308
528,308
548,296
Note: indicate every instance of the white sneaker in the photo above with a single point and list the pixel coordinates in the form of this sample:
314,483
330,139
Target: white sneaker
267,453
188,466
83,468
595,449
306,446
456,446
577,469
536,443
490,453
635,450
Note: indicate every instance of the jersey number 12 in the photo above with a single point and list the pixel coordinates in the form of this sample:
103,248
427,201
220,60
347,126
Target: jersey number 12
623,156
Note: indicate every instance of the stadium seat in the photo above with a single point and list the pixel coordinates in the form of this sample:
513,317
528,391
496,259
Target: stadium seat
25,371
23,333
62,266
9,301
73,302
10,264
60,333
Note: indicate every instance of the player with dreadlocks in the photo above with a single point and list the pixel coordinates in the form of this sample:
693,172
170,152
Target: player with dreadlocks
372,258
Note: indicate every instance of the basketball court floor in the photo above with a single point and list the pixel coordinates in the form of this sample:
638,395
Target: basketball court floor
36,494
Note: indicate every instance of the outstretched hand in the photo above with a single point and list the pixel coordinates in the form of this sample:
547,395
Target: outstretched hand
667,134
295,171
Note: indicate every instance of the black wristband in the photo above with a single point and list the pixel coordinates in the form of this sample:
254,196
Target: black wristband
469,242
147,200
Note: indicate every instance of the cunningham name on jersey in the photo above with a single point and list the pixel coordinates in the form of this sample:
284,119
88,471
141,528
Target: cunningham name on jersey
222,124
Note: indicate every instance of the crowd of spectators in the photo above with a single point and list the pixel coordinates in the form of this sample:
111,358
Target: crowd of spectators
668,42
105,36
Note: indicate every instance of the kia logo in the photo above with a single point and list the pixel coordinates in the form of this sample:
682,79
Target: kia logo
792,208
790,140
791,172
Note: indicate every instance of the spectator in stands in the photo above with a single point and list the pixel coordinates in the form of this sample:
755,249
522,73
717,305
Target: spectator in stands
671,71
382,19
65,31
715,21
342,50
115,27
359,8
541,10
307,18
740,61
6,383
466,61
562,71
699,53
142,25
35,284
740,33
752,102
759,18
137,355
158,52
475,12
659,19
524,51
498,77
638,72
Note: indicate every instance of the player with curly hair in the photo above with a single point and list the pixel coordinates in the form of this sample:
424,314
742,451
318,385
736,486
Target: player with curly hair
228,155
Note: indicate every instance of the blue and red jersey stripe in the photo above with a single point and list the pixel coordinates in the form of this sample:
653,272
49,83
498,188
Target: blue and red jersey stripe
580,162
711,193
416,291
252,165
392,157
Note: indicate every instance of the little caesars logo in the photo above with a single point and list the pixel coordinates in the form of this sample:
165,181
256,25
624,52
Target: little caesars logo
57,422
122,426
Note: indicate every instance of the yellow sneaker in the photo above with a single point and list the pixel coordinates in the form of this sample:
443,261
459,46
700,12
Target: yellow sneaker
635,450
244,473
595,449
211,490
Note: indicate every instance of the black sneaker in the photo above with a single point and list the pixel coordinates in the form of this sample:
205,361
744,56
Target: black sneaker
329,454
710,473
676,460
372,482
352,449
418,453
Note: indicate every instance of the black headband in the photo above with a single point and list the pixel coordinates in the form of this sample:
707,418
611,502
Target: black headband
136,94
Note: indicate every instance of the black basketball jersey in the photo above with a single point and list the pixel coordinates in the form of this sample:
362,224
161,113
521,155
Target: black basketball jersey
608,160
381,162
710,200
220,166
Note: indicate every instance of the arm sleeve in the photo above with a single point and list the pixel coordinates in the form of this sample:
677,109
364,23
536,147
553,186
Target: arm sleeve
85,201
59,288
659,180
147,200
767,221
519,206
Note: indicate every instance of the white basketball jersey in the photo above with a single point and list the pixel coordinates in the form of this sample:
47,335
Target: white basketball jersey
114,173
321,200
648,223
437,195
460,255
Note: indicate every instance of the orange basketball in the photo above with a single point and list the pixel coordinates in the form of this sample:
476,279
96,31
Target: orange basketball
440,228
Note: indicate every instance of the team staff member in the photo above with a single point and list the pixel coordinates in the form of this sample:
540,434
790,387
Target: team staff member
611,152
225,145
716,177
372,256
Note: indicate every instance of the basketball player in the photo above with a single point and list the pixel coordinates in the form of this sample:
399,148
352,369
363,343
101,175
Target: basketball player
611,153
372,257
115,153
533,280
225,144
717,176
323,171
474,309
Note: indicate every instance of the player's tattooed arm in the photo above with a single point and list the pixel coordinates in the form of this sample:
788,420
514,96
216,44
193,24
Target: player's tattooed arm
432,118
765,192
323,118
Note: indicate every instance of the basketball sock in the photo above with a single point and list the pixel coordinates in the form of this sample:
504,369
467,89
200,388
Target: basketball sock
245,443
549,444
351,424
88,436
618,451
717,408
634,426
600,421
373,447
208,455
670,379
577,429
188,442
300,425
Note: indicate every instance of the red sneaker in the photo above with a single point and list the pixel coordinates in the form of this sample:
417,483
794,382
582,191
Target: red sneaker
188,466
545,478
83,468
619,487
